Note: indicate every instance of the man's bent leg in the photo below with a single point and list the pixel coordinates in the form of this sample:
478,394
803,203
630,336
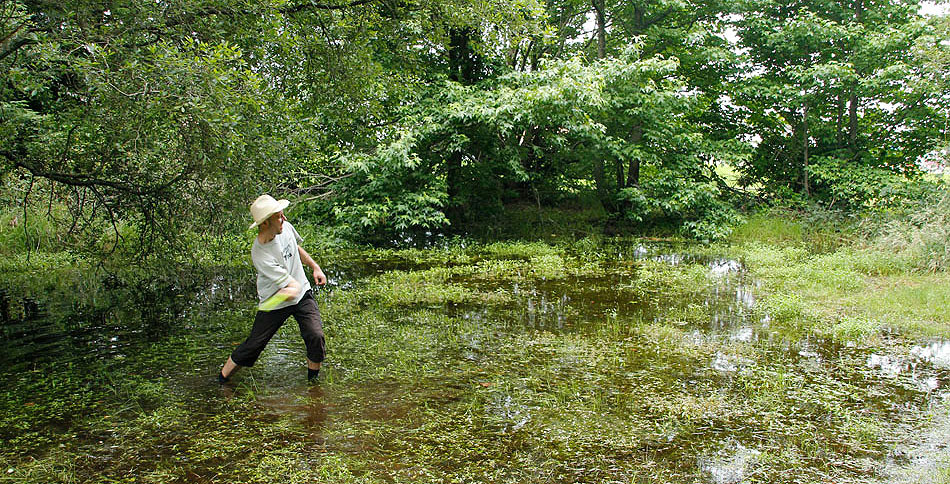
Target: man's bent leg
311,329
266,324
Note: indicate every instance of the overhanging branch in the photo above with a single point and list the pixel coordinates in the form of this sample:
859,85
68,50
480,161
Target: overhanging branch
324,6
90,181
290,9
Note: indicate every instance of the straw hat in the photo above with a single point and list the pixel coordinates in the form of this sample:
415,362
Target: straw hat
264,207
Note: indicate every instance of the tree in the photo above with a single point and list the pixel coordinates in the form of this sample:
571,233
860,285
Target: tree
540,133
484,140
831,83
128,119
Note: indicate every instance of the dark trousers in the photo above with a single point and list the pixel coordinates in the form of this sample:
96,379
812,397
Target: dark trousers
266,324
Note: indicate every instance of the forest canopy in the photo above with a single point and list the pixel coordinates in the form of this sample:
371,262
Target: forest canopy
156,119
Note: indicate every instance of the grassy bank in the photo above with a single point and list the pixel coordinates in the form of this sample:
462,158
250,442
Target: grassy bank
840,283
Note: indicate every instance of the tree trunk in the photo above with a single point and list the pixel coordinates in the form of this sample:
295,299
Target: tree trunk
853,101
633,172
513,59
839,121
621,180
600,182
853,120
464,68
599,13
805,187
456,207
464,63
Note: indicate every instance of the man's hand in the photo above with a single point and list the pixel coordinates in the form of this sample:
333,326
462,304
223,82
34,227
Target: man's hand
318,276
290,291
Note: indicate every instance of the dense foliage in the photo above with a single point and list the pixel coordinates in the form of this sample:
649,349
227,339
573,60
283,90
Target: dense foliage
156,119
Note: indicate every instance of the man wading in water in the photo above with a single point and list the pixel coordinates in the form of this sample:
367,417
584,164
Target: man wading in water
282,288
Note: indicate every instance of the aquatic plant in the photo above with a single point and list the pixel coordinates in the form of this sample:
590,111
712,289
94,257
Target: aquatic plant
513,362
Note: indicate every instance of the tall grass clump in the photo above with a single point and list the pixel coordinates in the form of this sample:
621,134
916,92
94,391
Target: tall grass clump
766,228
816,228
28,232
923,235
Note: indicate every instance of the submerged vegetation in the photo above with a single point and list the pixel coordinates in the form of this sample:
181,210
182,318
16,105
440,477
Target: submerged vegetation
785,357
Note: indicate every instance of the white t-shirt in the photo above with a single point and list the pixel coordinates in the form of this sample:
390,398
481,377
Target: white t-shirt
276,262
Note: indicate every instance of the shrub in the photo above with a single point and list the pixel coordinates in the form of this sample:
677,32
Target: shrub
695,209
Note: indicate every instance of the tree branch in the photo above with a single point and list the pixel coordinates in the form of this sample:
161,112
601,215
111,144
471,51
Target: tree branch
14,46
12,33
89,181
322,190
319,6
290,9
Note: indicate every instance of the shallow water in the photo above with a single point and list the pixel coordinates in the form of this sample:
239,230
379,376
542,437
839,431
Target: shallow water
620,363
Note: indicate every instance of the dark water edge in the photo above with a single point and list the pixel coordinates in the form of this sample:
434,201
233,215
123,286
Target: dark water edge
96,316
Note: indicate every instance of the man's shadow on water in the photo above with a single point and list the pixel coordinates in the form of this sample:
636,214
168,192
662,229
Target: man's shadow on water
308,404
316,407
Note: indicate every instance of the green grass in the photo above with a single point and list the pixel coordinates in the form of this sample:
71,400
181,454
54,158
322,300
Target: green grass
821,231
848,292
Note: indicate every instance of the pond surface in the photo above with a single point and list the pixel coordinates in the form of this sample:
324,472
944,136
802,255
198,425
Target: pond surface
624,362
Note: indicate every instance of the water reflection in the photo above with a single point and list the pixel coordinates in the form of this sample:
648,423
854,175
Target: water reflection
731,466
936,353
613,294
722,267
924,366
743,334
729,363
511,414
316,407
95,317
888,365
599,345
